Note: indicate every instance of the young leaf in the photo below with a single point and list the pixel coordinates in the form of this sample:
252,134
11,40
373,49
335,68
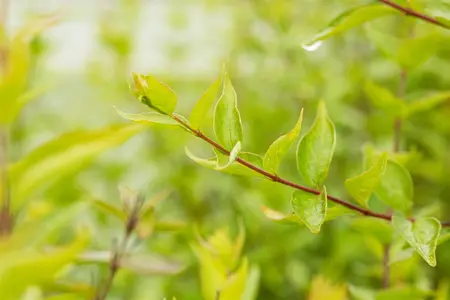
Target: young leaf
252,284
396,187
315,150
310,208
362,186
203,105
350,19
279,148
149,117
422,235
428,103
234,168
231,158
154,93
280,217
64,155
322,289
227,120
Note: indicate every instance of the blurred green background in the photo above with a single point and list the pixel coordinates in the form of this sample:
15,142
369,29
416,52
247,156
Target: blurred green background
85,62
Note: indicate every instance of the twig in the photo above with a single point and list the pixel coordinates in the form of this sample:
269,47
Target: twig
276,178
410,12
119,250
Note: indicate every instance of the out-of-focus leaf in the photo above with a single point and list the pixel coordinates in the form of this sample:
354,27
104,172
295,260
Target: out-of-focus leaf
279,148
227,120
384,99
362,186
141,263
414,52
169,225
422,235
359,293
204,104
14,81
63,297
322,289
149,117
280,217
396,187
401,293
444,237
109,208
21,269
310,208
234,286
234,168
443,290
315,150
155,94
380,229
350,19
252,284
64,155
427,103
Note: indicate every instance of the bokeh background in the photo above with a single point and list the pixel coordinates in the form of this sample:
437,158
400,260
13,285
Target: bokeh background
85,62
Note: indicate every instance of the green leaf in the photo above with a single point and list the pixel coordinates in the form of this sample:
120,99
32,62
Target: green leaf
414,52
350,19
360,293
445,236
149,117
203,105
280,147
310,208
234,168
427,103
401,293
379,229
252,284
154,93
64,155
140,263
227,120
422,235
396,187
362,186
231,158
384,99
315,150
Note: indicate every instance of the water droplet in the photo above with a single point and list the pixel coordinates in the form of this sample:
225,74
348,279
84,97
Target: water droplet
312,47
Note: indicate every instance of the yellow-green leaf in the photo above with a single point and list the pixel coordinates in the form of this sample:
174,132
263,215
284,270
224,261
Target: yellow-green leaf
154,93
231,158
64,155
148,117
427,103
414,52
396,187
310,208
279,148
322,289
203,105
21,269
234,168
422,235
384,99
227,120
362,186
315,150
350,19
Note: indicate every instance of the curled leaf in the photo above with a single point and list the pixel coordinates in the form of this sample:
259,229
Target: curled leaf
279,148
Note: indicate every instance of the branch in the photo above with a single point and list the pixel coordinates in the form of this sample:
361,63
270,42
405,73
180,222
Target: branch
410,12
276,178
119,250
